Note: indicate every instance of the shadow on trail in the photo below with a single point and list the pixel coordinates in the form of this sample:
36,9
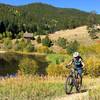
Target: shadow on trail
82,91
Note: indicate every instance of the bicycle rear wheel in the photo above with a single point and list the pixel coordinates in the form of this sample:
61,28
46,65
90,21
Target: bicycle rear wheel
69,85
78,83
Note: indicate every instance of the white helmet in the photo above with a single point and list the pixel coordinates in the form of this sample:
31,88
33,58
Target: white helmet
75,54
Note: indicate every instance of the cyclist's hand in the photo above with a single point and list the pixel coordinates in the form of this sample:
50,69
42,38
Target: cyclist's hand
84,69
67,66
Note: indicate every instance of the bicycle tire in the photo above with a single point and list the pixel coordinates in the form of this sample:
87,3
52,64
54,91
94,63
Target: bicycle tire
78,84
69,85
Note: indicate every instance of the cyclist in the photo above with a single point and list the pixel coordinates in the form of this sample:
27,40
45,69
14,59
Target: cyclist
78,63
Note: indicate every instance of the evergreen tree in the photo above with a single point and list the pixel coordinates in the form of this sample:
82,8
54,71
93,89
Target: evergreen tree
47,42
92,25
2,27
38,39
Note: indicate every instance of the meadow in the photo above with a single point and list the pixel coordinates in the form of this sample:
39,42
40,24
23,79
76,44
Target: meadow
41,61
42,88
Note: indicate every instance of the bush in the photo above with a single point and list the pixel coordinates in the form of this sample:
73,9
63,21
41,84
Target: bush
23,46
8,34
56,70
29,47
7,43
16,45
86,50
90,50
28,66
62,42
93,66
43,49
47,42
20,35
38,39
20,45
1,36
72,47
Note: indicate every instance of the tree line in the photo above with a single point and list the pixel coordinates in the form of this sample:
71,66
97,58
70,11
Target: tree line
39,19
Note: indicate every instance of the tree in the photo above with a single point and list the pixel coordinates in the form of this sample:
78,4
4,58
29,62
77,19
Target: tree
28,66
38,39
9,34
7,43
29,47
62,42
72,47
91,25
46,41
12,27
2,27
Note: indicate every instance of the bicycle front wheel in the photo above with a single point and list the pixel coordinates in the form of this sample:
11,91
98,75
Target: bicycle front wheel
69,85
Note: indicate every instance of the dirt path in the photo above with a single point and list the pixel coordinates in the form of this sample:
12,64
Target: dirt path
2,51
76,96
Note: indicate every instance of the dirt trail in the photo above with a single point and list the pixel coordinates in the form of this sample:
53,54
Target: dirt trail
77,96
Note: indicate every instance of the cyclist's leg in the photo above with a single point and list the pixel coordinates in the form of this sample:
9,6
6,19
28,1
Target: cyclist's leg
80,75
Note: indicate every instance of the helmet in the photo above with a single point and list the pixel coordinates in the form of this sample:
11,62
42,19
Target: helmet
75,54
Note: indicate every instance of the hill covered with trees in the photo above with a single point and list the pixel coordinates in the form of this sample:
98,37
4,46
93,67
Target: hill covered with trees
39,18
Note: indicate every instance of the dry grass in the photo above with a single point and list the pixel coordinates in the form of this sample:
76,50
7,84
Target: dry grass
40,88
80,34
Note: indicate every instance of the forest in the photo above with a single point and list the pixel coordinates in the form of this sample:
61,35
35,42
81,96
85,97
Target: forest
38,18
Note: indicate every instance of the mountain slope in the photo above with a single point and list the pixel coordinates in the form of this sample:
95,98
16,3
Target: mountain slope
42,18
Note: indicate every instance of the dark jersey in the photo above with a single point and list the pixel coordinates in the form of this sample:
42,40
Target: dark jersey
77,62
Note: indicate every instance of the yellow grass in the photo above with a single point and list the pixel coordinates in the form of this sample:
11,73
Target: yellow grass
80,34
41,88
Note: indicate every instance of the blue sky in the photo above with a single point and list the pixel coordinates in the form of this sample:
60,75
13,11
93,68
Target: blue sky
86,5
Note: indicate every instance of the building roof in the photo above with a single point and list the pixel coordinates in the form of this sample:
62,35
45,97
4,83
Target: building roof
27,35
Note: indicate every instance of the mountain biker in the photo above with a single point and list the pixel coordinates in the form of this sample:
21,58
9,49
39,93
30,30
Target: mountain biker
78,63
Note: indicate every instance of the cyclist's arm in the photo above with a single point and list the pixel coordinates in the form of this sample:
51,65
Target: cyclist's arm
70,63
82,63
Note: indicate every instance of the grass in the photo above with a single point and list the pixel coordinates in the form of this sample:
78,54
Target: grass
41,88
57,58
29,88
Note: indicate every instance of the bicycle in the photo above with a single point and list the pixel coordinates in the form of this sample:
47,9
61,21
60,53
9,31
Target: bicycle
74,79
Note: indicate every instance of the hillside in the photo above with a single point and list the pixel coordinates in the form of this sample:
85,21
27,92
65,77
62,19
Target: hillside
40,18
80,34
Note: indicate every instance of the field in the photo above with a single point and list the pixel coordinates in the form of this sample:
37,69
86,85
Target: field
42,88
80,34
52,88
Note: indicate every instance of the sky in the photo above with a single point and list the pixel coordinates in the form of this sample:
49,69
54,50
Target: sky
85,5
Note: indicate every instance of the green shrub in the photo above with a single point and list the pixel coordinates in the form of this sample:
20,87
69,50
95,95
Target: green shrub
72,47
16,45
56,70
47,42
8,34
1,36
28,66
20,35
7,43
43,49
38,39
20,45
23,46
62,42
29,47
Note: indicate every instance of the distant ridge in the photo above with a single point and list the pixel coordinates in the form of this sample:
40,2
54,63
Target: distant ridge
43,17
